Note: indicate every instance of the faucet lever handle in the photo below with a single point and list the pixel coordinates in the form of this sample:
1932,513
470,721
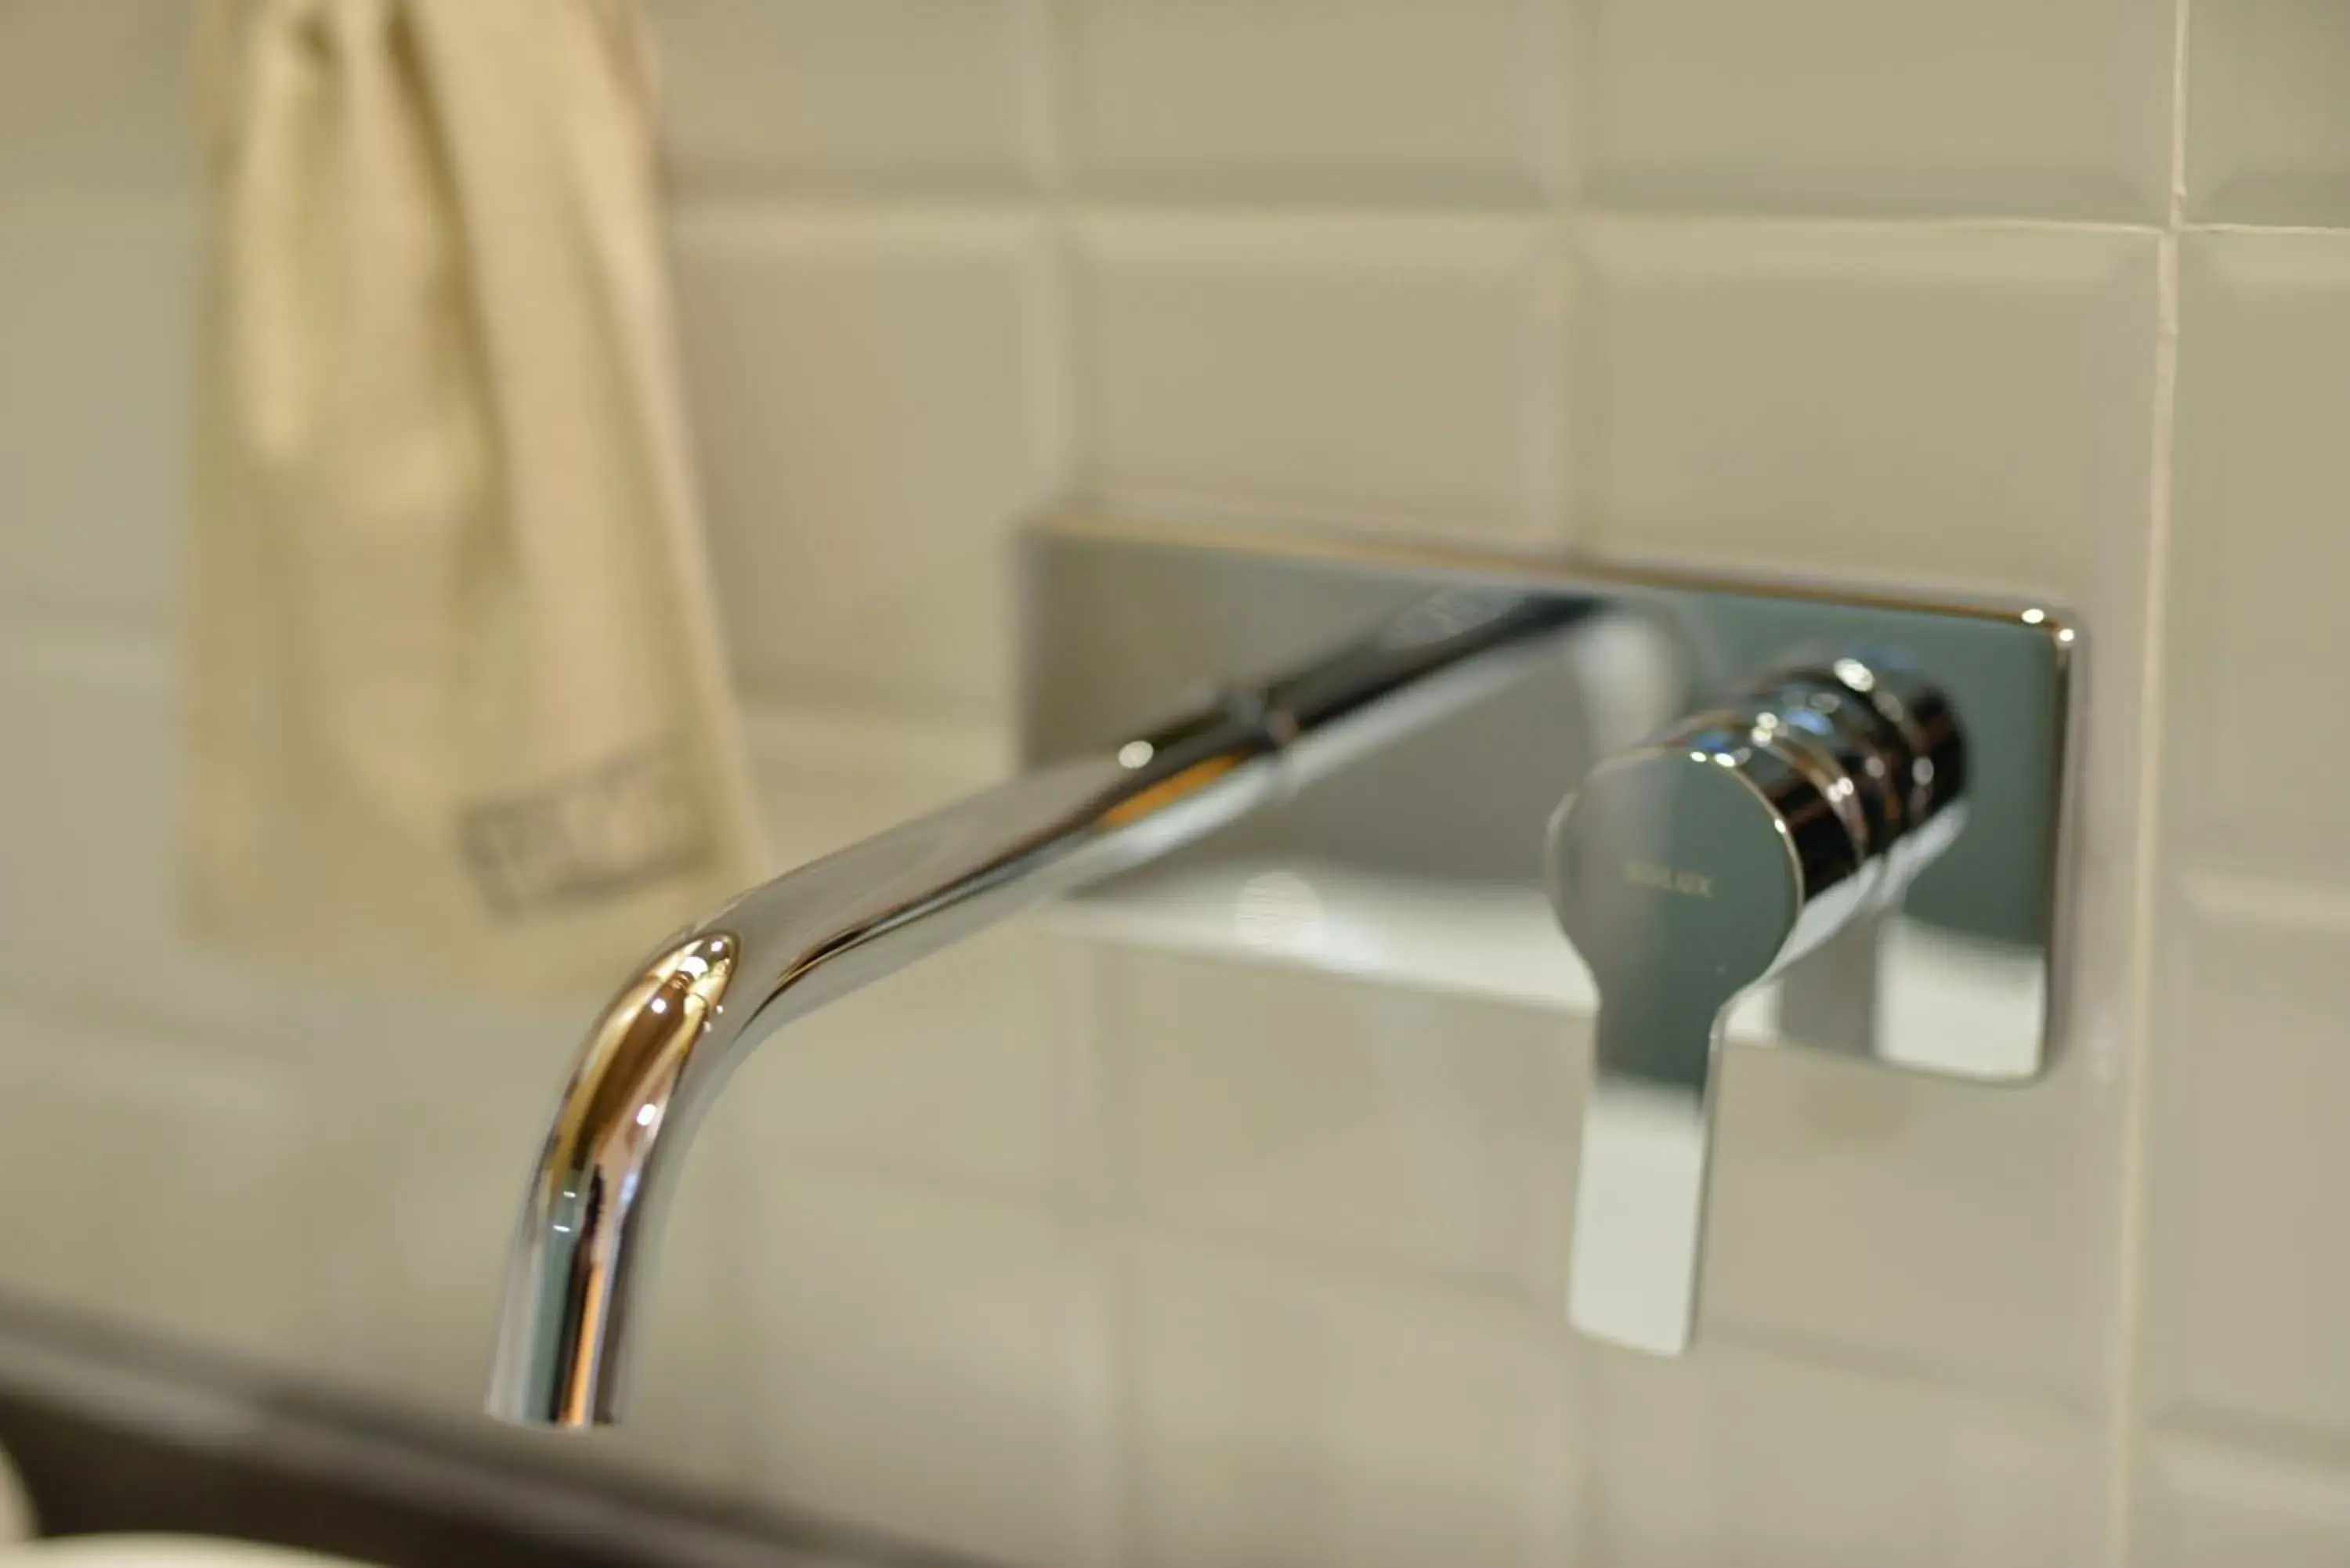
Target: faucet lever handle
1675,884
1685,871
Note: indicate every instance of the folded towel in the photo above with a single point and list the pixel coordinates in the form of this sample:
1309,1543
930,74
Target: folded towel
458,709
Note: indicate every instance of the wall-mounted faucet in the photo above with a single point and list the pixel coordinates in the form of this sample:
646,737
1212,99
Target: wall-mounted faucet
663,1047
1831,826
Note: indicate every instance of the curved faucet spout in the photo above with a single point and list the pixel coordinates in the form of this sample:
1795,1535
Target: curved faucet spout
664,1045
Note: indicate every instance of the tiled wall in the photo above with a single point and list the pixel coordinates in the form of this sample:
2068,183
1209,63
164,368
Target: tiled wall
1076,1253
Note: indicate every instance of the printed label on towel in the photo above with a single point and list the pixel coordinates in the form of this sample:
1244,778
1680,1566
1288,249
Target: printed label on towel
631,821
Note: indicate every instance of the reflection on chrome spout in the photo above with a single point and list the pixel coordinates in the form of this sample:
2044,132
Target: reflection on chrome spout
664,1045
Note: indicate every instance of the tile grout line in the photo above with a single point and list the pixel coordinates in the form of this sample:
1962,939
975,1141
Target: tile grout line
1553,68
1088,1195
1576,1497
1060,213
2130,1249
783,202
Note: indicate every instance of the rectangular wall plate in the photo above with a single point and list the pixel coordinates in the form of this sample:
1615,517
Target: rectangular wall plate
1125,620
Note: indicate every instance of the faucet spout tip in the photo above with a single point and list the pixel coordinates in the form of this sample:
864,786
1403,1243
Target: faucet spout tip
591,1212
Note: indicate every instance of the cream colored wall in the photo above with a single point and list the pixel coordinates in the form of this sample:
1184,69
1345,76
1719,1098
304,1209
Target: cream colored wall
1080,1253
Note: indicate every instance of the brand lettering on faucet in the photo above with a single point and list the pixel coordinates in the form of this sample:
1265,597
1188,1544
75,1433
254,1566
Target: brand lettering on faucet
1667,879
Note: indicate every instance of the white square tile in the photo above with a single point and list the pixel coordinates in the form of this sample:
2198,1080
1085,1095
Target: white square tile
949,1068
1337,1114
88,908
927,1363
858,94
1284,1416
163,1184
2248,1265
1909,404
96,330
830,776
94,99
872,398
1883,106
1327,99
1721,1458
2255,627
1956,1229
2268,111
1385,373
2206,1505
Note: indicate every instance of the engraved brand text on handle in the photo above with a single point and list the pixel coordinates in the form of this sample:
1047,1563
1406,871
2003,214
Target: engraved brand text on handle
1666,879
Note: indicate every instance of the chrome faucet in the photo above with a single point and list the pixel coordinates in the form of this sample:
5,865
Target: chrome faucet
1854,835
662,1048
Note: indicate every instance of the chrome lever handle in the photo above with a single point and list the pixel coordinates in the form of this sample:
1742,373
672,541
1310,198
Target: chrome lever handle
1686,871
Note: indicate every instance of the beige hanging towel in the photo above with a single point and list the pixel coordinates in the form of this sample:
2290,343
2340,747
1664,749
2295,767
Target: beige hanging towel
458,709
